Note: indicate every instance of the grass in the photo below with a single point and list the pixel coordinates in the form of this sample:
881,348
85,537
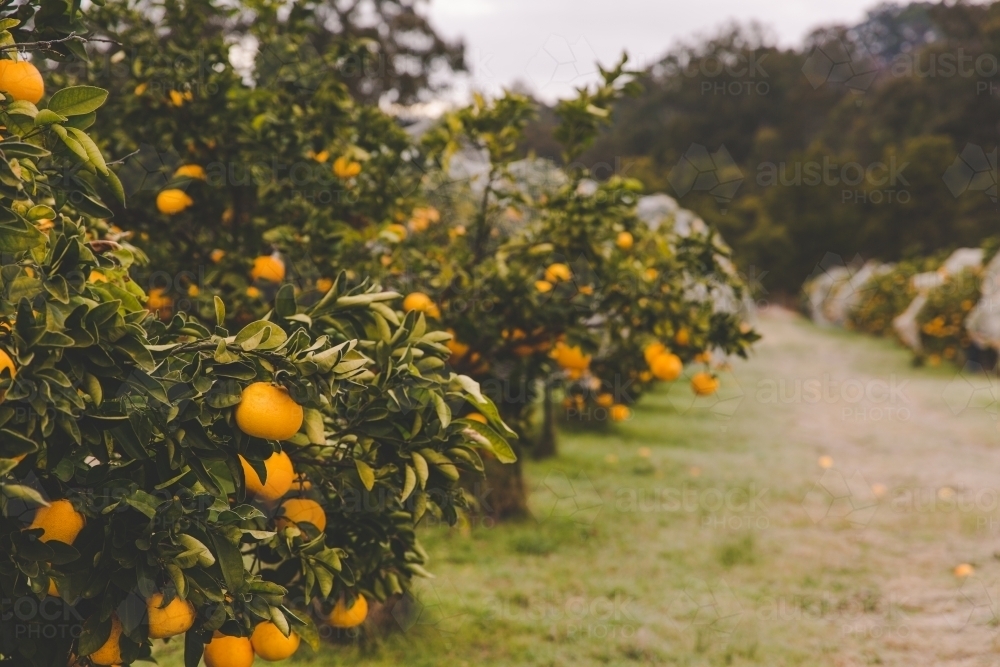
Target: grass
699,552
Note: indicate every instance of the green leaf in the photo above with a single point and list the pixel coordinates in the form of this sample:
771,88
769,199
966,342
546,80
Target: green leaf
443,411
194,647
19,236
93,152
22,492
48,117
230,561
500,447
220,312
77,100
262,335
366,473
409,484
315,428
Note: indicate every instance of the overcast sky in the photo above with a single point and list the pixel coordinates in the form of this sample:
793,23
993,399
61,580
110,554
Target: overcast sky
551,44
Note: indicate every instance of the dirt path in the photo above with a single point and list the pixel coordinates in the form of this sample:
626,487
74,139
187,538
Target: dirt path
910,489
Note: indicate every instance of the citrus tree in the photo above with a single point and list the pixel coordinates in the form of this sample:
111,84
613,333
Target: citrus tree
165,476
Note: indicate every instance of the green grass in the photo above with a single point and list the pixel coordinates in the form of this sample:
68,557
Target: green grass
630,560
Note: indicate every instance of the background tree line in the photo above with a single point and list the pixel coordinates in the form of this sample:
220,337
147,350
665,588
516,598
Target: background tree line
893,102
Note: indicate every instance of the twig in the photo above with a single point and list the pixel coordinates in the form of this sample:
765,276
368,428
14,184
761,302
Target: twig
47,44
121,160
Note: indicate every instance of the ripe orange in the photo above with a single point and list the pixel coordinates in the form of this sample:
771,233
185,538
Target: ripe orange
60,521
543,286
97,277
172,201
652,351
667,367
324,284
191,171
570,357
964,570
253,292
280,475
619,412
624,240
298,510
228,651
558,271
417,301
217,255
398,231
172,619
269,268
682,337
605,400
704,384
477,417
8,363
458,350
345,167
21,80
267,411
342,617
270,644
110,652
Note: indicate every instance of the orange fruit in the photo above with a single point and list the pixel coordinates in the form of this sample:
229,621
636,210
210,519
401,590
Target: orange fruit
269,268
97,277
110,653
267,411
619,412
299,510
21,80
558,271
342,617
570,357
191,171
652,351
270,644
345,167
477,417
624,240
324,284
172,201
228,651
543,286
280,475
172,619
964,570
704,384
667,367
60,521
217,255
682,337
8,363
605,400
399,231
417,301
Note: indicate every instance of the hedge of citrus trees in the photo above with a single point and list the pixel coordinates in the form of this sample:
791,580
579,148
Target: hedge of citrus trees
294,179
925,303
244,355
166,475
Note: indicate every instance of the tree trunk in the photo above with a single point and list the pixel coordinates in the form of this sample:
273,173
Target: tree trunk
545,446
